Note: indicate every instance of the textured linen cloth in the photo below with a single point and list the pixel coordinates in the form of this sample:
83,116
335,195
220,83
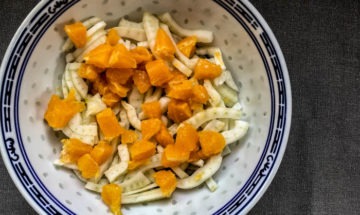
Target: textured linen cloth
320,171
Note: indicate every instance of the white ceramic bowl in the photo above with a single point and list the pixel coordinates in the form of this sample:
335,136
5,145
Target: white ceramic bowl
32,67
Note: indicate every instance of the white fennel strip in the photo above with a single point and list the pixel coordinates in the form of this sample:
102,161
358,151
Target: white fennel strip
120,168
151,26
97,27
64,87
132,116
214,96
164,102
236,133
202,36
88,139
69,83
228,95
94,105
58,162
181,67
135,99
164,120
146,188
79,83
201,174
147,196
137,181
179,172
143,44
96,187
75,124
211,184
173,129
154,96
213,113
127,23
124,121
134,33
214,125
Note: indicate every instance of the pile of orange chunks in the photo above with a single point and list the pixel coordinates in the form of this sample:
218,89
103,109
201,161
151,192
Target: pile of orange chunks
112,69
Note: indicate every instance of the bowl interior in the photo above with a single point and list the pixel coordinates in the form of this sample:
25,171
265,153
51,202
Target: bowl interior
42,78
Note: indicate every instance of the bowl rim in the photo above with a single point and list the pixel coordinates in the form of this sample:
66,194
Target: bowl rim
260,20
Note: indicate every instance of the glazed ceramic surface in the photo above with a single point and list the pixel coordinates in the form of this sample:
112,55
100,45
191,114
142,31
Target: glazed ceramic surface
32,69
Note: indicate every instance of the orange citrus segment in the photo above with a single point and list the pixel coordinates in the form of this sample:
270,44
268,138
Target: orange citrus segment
76,33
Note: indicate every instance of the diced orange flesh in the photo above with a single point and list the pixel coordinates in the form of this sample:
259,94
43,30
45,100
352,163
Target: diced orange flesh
178,111
178,76
199,94
88,72
159,73
187,46
73,149
88,166
166,181
195,106
100,85
211,142
110,98
108,124
132,164
180,89
121,58
111,195
77,34
141,54
163,137
163,48
101,152
141,81
187,138
205,69
150,127
176,153
99,56
60,111
120,76
112,37
118,89
141,150
129,136
151,109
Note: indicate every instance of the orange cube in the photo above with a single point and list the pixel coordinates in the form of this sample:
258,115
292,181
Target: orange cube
121,58
109,124
176,153
141,150
112,37
178,111
199,94
150,127
187,46
110,98
99,56
120,76
89,72
187,138
111,195
73,149
141,81
60,111
159,73
129,136
141,54
77,34
163,137
211,142
101,152
118,89
166,181
134,164
151,109
163,48
88,166
180,89
205,69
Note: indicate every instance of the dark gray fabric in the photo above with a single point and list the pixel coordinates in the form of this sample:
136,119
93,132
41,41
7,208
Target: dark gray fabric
320,170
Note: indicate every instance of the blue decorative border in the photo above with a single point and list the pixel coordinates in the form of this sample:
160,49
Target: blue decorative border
38,25
269,156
